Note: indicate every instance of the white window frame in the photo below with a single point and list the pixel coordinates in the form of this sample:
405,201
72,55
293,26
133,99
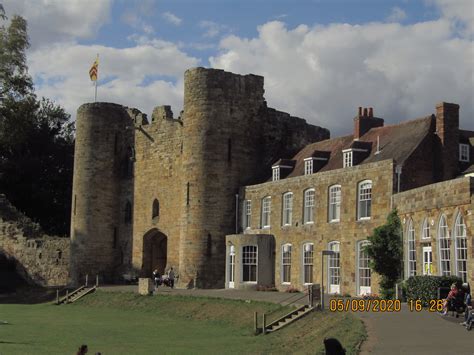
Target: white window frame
364,273
308,208
308,166
308,263
247,214
460,247
286,264
275,173
444,247
364,200
348,158
266,211
287,209
425,229
250,259
334,268
334,203
411,249
464,152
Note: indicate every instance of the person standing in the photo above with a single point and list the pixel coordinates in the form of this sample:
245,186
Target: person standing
156,278
171,277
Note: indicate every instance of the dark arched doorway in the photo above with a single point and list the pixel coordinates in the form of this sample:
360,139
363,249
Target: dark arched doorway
155,247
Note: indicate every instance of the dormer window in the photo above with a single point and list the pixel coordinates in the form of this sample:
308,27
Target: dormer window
308,166
347,158
464,152
276,173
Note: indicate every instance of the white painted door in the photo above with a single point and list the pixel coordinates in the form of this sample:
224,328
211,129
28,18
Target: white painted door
231,270
427,261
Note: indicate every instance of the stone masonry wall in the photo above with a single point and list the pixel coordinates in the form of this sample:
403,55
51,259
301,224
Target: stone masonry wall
448,198
348,231
40,259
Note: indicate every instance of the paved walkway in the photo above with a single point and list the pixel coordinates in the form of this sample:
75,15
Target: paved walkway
403,332
415,333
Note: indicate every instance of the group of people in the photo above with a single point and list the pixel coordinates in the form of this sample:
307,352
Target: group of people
459,298
167,279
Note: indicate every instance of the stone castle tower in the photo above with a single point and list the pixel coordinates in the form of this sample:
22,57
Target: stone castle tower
162,194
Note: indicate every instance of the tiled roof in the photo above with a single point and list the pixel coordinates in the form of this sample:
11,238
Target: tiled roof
396,142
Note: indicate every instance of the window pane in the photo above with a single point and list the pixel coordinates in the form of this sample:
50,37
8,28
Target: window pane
444,248
461,248
249,263
308,263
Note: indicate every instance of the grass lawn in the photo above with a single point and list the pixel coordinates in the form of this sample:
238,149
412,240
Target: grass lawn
126,323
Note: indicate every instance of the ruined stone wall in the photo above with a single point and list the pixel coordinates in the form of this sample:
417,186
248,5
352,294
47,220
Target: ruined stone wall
40,259
448,198
348,231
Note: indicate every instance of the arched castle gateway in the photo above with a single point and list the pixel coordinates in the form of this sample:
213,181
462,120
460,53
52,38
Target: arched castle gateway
162,193
235,194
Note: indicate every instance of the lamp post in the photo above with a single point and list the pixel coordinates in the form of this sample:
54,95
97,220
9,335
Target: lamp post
324,252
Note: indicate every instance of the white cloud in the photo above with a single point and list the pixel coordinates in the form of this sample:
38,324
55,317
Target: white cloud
460,12
396,15
324,73
171,18
64,67
55,20
212,29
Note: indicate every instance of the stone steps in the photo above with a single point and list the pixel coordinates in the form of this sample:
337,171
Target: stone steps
288,318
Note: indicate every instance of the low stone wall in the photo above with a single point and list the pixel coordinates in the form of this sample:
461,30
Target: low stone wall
40,259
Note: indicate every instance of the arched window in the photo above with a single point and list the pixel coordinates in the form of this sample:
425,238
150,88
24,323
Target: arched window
363,270
287,211
266,209
334,268
308,215
411,249
286,263
128,212
156,209
460,246
425,229
308,255
444,248
249,263
364,205
334,212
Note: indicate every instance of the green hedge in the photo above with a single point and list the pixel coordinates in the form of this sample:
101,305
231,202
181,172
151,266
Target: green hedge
425,288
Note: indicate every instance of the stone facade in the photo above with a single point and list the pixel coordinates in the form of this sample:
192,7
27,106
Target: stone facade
180,181
421,211
401,174
38,258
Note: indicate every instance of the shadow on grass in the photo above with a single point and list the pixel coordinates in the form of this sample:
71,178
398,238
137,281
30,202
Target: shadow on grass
30,295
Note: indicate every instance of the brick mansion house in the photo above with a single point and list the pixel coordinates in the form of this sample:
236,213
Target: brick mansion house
235,194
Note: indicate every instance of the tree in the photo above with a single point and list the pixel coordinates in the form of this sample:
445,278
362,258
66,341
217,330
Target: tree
36,138
385,250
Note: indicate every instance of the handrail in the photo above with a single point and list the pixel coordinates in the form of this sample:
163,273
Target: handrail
305,294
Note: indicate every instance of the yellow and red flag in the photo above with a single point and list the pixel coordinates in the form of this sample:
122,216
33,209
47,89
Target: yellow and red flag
94,71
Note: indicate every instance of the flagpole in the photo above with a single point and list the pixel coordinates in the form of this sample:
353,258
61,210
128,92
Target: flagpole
96,80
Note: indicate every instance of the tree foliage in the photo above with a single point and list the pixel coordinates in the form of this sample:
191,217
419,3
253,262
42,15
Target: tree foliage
36,138
386,252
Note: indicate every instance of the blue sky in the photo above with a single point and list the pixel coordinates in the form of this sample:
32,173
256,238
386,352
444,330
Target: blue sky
321,59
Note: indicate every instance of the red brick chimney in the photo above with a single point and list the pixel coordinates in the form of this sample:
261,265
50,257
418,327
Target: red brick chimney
365,121
447,129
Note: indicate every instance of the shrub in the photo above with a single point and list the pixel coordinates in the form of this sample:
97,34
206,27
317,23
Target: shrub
292,290
425,288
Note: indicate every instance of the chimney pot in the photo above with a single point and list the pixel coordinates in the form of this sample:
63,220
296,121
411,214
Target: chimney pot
360,111
371,112
365,111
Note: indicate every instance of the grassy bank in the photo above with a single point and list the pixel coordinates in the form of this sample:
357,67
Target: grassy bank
126,323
